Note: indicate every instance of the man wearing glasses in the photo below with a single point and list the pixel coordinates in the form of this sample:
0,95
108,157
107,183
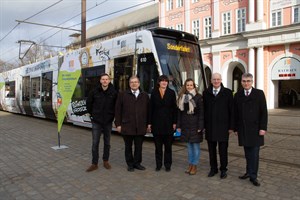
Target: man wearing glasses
251,119
131,119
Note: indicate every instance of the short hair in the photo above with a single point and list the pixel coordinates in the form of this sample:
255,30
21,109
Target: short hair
104,74
134,77
247,75
162,78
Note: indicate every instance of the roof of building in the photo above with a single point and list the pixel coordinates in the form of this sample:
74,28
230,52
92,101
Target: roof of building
130,19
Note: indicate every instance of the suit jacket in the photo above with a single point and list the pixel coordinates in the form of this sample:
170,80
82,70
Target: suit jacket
251,115
132,113
218,114
163,112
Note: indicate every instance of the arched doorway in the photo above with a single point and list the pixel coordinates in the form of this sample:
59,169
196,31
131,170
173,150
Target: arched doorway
207,74
236,79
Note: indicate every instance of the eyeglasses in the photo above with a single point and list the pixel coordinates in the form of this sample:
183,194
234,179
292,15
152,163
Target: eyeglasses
133,82
246,81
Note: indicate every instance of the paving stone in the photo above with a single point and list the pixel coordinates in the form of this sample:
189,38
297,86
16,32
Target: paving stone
31,169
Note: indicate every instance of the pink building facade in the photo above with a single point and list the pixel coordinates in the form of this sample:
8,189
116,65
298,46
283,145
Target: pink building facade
236,36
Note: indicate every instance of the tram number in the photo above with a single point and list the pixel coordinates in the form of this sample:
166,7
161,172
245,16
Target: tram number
143,60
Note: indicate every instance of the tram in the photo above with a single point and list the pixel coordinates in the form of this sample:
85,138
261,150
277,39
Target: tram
32,89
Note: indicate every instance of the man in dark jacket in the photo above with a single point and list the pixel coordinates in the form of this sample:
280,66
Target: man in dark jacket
131,120
218,123
251,119
101,106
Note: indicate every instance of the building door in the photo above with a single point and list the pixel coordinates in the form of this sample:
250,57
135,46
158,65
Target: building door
236,79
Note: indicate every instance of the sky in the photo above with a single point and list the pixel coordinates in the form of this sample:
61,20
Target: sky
63,13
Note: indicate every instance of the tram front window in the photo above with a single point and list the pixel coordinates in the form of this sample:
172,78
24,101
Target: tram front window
180,60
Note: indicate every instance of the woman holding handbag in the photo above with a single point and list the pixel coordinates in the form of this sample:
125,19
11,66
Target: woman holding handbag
190,122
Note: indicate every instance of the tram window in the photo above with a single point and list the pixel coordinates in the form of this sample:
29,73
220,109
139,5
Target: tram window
10,89
91,78
26,88
147,72
35,88
47,86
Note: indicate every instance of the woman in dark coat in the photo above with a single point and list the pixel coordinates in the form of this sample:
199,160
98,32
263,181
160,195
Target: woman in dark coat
163,118
190,122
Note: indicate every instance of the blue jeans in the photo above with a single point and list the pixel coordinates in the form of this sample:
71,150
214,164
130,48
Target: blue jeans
97,130
193,153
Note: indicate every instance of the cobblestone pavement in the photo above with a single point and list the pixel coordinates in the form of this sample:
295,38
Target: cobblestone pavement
31,169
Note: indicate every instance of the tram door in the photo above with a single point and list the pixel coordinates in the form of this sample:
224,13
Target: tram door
122,72
26,95
147,72
46,95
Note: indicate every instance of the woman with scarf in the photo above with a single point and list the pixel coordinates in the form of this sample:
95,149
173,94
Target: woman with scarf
190,122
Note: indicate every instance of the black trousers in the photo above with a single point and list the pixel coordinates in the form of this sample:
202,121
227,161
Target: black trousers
166,141
97,130
252,159
223,153
133,158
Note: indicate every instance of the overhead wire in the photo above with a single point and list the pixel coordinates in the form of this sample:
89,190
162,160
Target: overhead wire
86,21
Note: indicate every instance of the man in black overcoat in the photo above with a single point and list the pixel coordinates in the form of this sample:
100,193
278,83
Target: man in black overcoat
218,123
251,119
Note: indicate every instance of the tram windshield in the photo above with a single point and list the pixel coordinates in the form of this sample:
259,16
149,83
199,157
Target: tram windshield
180,60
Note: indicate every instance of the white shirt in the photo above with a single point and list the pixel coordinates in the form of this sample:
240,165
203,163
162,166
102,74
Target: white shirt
218,90
136,93
249,92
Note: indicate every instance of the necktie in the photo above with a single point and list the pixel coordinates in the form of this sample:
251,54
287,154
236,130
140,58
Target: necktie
247,93
134,93
215,92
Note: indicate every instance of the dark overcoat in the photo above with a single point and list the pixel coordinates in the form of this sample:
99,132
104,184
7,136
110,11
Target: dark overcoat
132,113
218,114
251,115
163,112
191,123
101,104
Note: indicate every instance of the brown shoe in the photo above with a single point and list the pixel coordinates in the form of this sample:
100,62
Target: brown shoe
92,168
188,170
106,165
193,170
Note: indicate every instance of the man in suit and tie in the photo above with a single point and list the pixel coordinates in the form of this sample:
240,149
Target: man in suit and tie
251,119
218,123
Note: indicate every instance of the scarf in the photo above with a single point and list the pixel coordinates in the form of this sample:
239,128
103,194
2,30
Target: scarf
187,98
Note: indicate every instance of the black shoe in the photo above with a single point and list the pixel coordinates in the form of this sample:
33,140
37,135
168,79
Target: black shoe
130,169
245,176
212,173
168,169
157,169
139,167
223,175
255,182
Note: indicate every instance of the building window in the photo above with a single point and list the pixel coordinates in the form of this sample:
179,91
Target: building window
241,20
296,16
179,27
196,27
194,1
276,18
179,3
169,4
207,27
226,17
170,27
